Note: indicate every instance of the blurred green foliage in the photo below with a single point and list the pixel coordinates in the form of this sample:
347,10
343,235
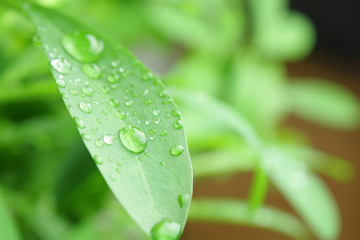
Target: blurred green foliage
232,52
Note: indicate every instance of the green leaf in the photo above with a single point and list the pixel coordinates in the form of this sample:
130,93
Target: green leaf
325,103
305,192
126,118
8,228
236,212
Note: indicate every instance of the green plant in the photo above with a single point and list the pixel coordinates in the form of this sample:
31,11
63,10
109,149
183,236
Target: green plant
231,86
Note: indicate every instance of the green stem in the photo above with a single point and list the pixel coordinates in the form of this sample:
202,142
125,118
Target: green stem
258,190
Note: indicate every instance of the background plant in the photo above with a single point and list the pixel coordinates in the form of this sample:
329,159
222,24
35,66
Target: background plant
223,62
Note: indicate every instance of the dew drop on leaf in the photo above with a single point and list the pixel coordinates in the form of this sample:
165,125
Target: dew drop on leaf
163,133
105,90
98,160
86,137
79,122
120,115
176,150
113,78
60,83
114,102
84,47
183,199
61,65
175,113
129,103
133,139
166,230
88,91
178,124
91,70
86,107
109,139
73,92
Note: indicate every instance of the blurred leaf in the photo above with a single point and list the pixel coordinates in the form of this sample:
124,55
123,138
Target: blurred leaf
8,227
279,33
136,161
259,91
236,212
306,193
325,103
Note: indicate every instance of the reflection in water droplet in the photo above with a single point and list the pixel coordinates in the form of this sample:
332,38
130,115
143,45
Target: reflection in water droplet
87,91
91,70
84,47
79,122
109,139
60,83
178,124
183,199
98,160
86,107
176,150
166,230
61,65
133,139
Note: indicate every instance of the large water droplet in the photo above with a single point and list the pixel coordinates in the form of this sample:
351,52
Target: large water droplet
176,150
86,107
133,139
84,47
166,230
61,65
91,70
79,122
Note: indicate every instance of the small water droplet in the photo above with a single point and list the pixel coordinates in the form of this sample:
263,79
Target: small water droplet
91,70
37,41
152,131
86,107
147,76
166,230
82,46
162,163
114,102
166,101
175,113
113,78
99,120
156,113
133,139
61,65
163,133
178,124
147,123
87,91
109,139
176,150
147,101
105,90
98,160
99,143
60,82
112,177
73,92
162,94
120,115
86,137
79,122
129,103
183,199
118,170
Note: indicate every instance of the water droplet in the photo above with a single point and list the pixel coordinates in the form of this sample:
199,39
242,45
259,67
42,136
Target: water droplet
86,107
147,123
99,143
175,113
109,139
79,122
61,65
99,120
114,102
163,133
98,160
156,113
60,83
162,163
113,78
118,170
147,101
133,139
84,47
105,90
147,76
73,91
162,94
86,137
166,230
152,131
176,150
37,41
87,91
129,103
112,177
167,101
120,115
183,199
178,124
91,70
